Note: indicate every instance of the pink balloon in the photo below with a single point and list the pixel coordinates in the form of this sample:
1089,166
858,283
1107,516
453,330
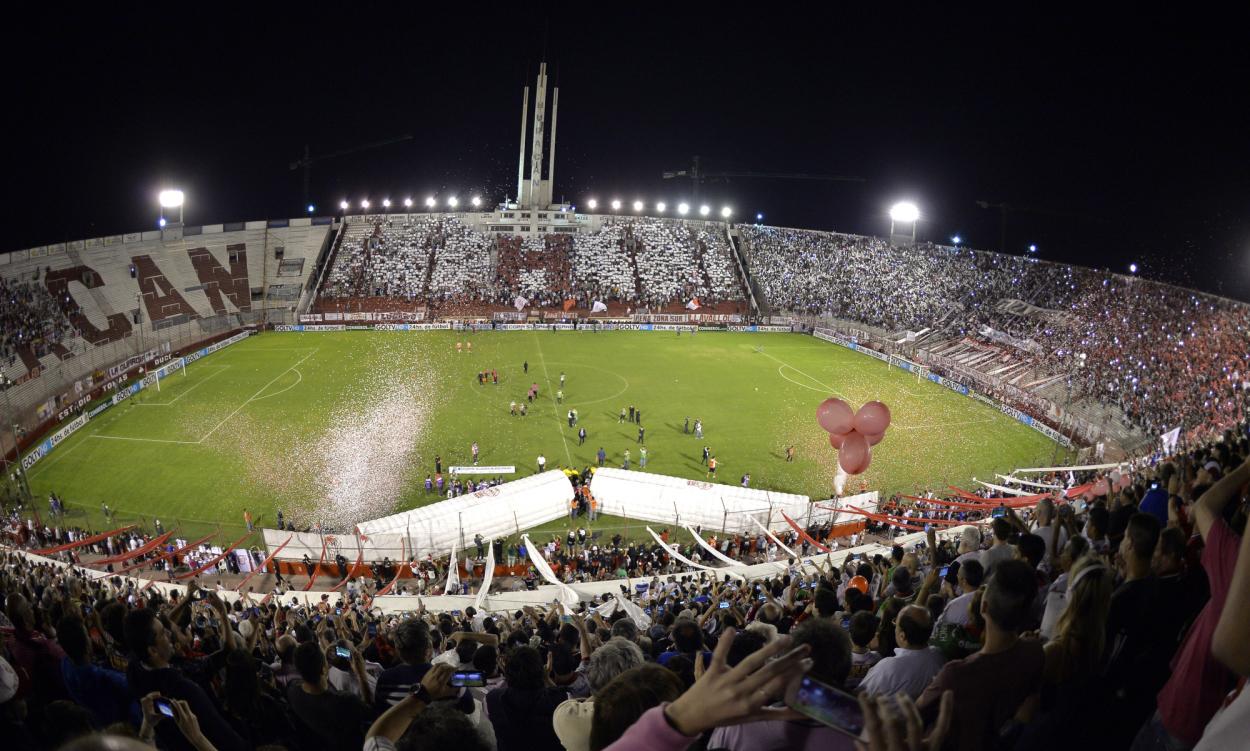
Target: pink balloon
836,439
835,416
855,454
874,438
872,418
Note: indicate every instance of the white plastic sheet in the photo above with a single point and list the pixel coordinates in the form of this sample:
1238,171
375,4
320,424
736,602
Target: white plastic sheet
680,501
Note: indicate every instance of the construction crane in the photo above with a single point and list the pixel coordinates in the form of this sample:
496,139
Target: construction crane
697,176
308,161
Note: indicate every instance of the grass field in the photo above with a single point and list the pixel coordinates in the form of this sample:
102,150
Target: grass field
343,427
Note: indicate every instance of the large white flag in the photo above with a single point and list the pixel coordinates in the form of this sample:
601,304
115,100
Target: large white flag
599,307
520,302
488,577
453,573
693,304
1169,440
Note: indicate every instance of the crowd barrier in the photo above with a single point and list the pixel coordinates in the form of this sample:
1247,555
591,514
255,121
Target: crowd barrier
541,595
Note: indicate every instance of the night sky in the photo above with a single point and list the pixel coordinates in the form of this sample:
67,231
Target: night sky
1116,140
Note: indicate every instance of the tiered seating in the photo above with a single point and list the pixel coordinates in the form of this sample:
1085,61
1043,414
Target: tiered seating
1164,355
90,293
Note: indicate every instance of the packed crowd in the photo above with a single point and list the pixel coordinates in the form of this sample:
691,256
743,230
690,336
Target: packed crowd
637,260
1111,622
30,317
412,258
1166,356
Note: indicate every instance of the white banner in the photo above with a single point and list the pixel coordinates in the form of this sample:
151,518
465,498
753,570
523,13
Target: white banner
493,469
375,546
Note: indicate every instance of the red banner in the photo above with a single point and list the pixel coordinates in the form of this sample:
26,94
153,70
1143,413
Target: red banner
167,555
884,519
84,541
264,564
317,569
216,560
803,533
143,549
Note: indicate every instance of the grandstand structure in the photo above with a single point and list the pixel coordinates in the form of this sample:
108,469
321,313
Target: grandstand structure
1108,360
111,305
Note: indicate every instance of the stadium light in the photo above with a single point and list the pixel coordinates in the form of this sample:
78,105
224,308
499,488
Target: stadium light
616,205
660,207
160,222
704,210
904,211
725,212
477,201
453,202
1132,268
638,205
683,208
430,202
407,203
593,204
759,217
311,208
1032,248
386,203
344,205
956,239
364,204
170,199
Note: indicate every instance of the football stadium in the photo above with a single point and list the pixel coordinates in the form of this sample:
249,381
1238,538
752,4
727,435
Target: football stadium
524,471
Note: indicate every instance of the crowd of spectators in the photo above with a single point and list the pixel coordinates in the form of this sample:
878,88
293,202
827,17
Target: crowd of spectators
1166,356
1111,622
644,262
30,318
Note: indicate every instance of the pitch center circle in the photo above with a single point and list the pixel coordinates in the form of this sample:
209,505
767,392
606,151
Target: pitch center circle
572,389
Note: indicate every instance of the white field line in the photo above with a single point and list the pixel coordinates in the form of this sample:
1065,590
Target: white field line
552,396
253,397
298,381
194,386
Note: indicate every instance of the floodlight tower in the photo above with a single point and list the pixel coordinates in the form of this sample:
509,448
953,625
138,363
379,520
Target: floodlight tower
171,199
904,213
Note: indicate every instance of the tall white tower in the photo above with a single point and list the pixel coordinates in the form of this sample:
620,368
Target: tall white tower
536,193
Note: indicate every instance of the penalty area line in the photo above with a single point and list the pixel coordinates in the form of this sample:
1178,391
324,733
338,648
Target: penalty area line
253,397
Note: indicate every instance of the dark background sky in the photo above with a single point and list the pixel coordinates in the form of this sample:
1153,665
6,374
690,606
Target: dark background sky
1119,139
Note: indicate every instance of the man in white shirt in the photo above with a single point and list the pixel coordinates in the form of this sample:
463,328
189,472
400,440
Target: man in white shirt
1046,529
1000,550
971,575
914,663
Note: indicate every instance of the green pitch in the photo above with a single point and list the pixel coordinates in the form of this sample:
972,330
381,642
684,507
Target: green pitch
344,427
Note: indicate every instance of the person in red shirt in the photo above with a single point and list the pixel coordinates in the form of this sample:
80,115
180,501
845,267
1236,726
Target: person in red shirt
1199,682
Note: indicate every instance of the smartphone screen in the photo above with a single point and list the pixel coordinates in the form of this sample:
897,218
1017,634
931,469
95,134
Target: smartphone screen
343,652
724,604
827,705
373,629
164,707
468,679
999,512
945,570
